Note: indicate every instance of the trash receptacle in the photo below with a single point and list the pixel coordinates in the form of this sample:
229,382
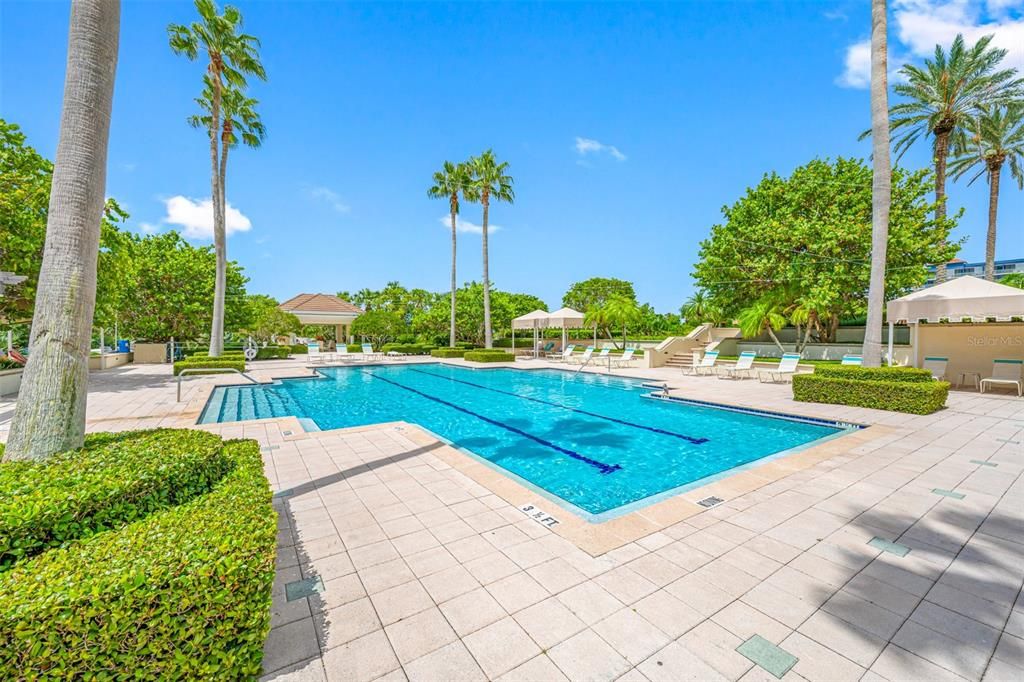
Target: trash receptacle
123,346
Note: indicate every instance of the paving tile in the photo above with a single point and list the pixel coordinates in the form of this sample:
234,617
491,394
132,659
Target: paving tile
676,663
632,636
386,575
702,596
471,611
590,602
717,647
517,591
366,658
309,670
537,669
452,662
337,592
419,635
449,583
588,657
289,644
656,569
500,647
549,622
343,624
947,652
744,622
667,613
864,615
626,585
859,646
951,624
556,575
816,662
430,561
491,567
400,602
896,663
766,655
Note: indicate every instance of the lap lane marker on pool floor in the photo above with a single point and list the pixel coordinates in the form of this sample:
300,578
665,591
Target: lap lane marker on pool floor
664,432
601,466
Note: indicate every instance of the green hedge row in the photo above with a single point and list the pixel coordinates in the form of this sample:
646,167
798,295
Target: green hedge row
300,349
873,373
915,397
209,363
273,352
489,356
113,480
354,348
181,594
448,352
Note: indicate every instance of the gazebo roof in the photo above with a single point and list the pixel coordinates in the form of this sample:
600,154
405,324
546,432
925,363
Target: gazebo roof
319,304
956,299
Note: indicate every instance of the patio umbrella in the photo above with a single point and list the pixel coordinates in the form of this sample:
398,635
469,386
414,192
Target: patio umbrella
535,320
566,318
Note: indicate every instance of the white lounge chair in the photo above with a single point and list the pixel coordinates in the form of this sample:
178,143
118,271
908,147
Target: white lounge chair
706,366
563,356
627,357
937,366
744,366
370,354
582,359
314,354
787,368
602,357
1006,372
852,360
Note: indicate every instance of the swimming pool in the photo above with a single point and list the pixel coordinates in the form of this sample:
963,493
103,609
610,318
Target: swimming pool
596,444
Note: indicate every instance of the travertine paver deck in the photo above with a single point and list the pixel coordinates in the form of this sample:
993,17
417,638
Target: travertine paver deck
428,575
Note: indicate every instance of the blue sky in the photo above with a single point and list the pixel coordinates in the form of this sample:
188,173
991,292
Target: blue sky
627,127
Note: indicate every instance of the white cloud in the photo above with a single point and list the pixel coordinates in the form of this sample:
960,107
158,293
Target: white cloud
466,226
331,197
586,146
148,228
917,26
195,217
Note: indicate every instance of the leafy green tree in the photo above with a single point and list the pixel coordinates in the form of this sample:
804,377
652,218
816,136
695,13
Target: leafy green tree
265,321
1015,279
232,56
452,180
763,316
998,139
50,414
490,181
595,292
942,98
806,238
620,311
379,326
700,309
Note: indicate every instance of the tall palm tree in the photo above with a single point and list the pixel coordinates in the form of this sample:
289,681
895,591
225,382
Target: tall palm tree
943,97
50,415
453,179
622,311
881,184
763,315
232,56
998,139
489,182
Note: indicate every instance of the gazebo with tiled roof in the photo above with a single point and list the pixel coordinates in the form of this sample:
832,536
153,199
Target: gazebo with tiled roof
323,309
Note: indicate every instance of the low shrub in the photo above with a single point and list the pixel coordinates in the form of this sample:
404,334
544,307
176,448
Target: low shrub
115,479
915,397
489,356
182,594
273,352
354,348
209,363
873,373
448,352
300,349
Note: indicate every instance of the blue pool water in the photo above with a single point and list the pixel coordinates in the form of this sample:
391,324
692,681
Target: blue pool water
593,441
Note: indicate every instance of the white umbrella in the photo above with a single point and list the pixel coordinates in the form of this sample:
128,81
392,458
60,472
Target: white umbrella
535,320
566,318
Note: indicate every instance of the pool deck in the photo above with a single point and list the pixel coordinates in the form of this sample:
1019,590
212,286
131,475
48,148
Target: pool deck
407,559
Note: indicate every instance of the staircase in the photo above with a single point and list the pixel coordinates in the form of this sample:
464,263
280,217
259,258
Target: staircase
680,360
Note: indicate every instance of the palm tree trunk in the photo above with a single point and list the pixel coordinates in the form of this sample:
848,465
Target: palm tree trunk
941,151
771,333
451,334
488,338
50,414
993,209
219,239
881,185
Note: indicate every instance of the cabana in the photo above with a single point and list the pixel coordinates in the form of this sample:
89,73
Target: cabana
536,320
567,318
323,309
968,320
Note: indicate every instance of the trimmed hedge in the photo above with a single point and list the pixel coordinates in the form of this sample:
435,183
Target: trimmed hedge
489,356
182,594
209,363
300,349
873,373
115,479
915,397
273,353
448,352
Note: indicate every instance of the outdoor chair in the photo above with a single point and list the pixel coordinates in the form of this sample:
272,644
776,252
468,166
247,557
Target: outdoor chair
564,355
314,354
370,354
852,360
1006,372
743,367
937,366
706,366
548,347
787,368
625,360
582,359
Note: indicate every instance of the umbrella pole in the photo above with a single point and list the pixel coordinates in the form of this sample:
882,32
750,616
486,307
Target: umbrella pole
595,336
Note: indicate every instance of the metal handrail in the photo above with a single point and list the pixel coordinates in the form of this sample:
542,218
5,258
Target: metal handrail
209,370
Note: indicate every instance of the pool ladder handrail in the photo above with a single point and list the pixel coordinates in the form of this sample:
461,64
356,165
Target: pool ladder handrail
209,370
587,362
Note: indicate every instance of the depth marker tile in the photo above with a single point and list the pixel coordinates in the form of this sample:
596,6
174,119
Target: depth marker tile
303,588
948,493
888,546
775,660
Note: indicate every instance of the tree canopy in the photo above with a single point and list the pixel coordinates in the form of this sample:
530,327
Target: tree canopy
803,242
595,292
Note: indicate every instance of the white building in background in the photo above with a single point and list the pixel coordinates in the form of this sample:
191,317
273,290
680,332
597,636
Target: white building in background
961,268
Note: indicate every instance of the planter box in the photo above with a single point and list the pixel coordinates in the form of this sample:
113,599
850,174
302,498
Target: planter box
98,362
10,381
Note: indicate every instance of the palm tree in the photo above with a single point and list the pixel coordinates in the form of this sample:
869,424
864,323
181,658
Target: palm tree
943,97
881,184
489,182
50,415
232,56
998,139
453,179
763,315
622,312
